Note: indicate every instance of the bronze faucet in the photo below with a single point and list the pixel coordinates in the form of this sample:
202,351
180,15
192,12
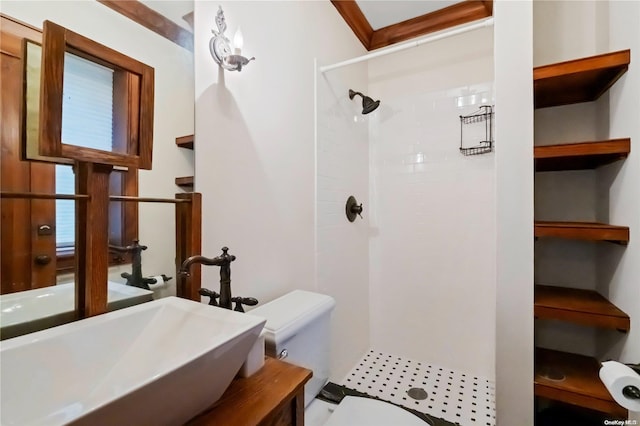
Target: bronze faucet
135,278
224,262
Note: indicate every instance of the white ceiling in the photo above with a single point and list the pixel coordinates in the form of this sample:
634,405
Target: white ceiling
381,13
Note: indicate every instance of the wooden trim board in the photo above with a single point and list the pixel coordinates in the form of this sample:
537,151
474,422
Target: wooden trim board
152,20
457,14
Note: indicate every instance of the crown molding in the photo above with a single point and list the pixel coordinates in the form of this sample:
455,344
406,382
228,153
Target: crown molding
457,14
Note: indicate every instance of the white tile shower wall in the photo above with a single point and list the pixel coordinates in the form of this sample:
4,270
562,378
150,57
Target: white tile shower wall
432,259
342,246
432,246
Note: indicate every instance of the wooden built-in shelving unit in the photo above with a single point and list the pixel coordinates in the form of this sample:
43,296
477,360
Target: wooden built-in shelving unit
185,141
585,307
562,376
578,156
185,182
580,80
573,379
589,231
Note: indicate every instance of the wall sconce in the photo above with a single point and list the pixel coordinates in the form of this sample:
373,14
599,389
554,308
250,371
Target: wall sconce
221,48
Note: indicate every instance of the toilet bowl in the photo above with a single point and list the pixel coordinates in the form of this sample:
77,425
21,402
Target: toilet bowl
298,331
358,411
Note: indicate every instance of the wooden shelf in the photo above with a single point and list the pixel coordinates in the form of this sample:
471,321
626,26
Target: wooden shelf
185,141
185,182
583,155
586,307
580,385
580,80
272,396
590,231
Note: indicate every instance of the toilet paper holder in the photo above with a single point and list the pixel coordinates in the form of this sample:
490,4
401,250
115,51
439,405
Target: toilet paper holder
622,381
632,391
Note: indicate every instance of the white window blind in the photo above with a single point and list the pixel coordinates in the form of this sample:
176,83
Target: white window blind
87,120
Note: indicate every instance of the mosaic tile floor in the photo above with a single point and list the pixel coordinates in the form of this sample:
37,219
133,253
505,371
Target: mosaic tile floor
452,395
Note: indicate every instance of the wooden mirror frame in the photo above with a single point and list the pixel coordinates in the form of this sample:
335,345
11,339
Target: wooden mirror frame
133,78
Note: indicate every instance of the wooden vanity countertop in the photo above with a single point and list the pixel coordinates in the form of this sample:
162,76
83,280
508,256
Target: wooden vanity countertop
272,396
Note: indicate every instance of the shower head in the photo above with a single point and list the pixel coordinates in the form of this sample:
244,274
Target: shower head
368,104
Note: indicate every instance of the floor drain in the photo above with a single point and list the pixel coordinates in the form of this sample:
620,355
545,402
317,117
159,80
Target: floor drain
417,393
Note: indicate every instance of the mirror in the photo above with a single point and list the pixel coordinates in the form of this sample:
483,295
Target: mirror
153,223
106,97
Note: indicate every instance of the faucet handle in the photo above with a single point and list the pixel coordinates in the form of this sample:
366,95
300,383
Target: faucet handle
211,294
239,301
226,256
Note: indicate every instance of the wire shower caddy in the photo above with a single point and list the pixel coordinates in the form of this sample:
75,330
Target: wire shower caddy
484,115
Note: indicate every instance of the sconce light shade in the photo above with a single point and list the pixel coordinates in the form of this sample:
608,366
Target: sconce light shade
221,49
238,42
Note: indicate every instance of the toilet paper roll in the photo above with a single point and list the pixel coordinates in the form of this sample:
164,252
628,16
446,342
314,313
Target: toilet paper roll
160,283
616,377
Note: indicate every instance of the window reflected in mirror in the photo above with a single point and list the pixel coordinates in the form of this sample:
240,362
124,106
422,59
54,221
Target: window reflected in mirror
91,105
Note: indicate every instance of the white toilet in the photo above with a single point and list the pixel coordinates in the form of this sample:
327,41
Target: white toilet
298,331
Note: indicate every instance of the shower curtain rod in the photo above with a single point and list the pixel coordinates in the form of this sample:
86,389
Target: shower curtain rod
488,22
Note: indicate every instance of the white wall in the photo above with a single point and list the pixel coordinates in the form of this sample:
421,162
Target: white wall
432,260
619,185
342,246
513,53
173,113
255,151
566,30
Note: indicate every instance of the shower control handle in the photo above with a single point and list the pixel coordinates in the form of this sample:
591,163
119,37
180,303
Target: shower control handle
353,209
357,209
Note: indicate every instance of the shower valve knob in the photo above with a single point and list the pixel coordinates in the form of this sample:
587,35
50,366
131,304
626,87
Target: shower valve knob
353,209
357,209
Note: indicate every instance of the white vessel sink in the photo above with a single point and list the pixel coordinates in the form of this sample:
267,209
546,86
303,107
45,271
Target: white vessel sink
34,310
157,363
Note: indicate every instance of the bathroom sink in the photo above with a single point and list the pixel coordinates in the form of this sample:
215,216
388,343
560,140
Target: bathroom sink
34,310
157,363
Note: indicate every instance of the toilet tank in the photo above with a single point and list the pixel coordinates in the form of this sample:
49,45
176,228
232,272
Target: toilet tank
298,331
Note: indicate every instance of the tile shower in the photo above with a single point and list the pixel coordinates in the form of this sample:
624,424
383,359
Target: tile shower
416,276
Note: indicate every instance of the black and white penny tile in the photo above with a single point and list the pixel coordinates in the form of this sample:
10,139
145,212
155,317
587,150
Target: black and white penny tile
455,396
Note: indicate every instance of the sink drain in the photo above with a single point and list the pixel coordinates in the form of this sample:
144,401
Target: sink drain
417,393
